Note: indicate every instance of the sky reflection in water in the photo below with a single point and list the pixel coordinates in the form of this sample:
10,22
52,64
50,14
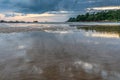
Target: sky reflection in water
58,55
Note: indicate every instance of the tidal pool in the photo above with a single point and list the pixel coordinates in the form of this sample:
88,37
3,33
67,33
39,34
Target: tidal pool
60,54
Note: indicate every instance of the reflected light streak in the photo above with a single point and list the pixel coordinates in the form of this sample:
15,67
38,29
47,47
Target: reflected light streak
21,47
104,35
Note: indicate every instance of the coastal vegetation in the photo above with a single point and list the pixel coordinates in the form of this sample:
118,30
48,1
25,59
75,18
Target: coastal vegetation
107,15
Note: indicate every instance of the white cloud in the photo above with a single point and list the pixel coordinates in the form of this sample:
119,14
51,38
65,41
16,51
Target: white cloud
105,8
52,16
2,16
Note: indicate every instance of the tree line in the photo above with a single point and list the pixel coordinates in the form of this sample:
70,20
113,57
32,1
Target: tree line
3,21
110,15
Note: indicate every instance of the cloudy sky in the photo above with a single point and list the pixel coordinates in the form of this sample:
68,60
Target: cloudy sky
50,10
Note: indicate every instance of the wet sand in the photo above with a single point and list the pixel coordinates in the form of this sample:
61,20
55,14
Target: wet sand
18,29
27,27
57,54
94,23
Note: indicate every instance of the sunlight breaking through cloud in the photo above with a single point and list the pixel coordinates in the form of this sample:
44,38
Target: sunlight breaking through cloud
105,8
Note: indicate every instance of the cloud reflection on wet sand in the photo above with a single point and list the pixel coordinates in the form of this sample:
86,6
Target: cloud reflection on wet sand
58,56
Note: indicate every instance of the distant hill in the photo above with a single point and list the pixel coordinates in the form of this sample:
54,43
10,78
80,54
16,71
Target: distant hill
111,15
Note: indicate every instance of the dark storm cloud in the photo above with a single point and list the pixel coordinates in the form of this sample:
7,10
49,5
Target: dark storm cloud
39,6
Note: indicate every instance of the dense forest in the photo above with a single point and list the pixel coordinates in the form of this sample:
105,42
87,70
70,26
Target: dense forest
111,15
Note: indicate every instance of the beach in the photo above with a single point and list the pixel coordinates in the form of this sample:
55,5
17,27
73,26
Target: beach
58,52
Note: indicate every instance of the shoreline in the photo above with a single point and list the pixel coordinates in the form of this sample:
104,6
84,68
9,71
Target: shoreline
54,28
94,23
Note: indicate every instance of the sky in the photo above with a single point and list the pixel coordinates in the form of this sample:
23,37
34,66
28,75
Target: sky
51,10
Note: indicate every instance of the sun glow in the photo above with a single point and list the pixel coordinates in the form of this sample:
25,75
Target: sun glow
105,8
43,17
